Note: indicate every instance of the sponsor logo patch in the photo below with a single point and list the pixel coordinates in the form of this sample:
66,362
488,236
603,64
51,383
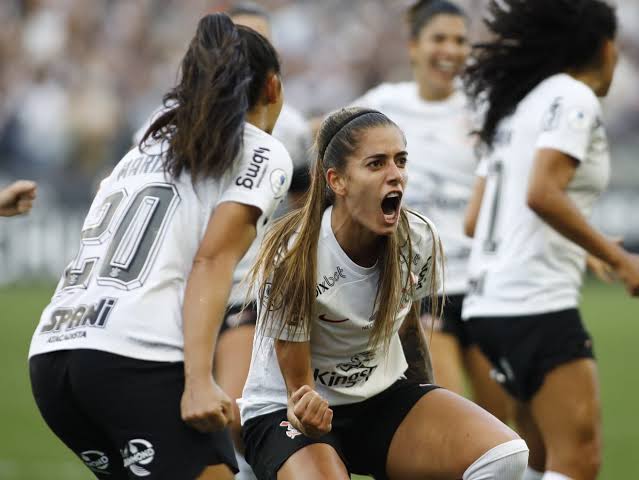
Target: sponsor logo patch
291,432
329,281
137,454
330,320
96,460
278,181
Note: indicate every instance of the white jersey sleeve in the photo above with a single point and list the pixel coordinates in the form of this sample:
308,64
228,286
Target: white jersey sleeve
426,246
569,121
262,178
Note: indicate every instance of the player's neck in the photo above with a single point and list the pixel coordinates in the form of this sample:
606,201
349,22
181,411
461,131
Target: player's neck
360,244
431,93
590,77
258,117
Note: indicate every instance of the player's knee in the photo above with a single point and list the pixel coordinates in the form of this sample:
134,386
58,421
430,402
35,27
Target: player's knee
506,461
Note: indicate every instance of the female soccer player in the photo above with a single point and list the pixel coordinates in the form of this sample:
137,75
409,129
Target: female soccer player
436,118
330,390
121,360
547,161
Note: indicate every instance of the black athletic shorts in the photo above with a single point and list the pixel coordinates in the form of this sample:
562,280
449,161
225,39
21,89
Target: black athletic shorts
451,323
523,349
236,316
362,432
121,416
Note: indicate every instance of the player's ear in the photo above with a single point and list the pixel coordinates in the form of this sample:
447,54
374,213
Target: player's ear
272,88
336,182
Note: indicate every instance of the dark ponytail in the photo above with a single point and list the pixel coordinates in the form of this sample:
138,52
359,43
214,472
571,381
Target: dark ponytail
423,11
222,76
534,40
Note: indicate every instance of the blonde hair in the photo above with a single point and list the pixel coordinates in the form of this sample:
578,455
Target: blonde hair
285,272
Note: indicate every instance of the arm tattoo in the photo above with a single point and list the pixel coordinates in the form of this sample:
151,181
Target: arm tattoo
414,343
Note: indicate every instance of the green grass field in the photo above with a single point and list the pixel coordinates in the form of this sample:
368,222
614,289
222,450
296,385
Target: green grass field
29,451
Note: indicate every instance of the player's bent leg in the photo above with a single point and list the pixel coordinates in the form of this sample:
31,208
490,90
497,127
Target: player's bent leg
529,431
318,461
232,362
487,393
567,410
216,472
446,436
446,355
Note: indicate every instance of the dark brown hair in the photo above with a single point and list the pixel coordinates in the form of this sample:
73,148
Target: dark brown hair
222,77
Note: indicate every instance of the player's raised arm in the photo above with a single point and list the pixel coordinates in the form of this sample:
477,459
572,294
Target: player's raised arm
17,198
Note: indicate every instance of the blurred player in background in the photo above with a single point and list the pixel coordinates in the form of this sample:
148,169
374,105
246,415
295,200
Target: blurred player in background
121,362
17,198
435,115
546,161
340,379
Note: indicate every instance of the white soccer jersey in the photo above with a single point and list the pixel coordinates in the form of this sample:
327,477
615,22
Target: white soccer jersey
519,264
345,368
123,292
293,131
441,164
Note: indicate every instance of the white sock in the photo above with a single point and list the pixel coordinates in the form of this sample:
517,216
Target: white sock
533,474
555,476
245,472
504,462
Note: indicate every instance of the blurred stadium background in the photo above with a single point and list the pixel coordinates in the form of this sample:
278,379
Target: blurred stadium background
78,77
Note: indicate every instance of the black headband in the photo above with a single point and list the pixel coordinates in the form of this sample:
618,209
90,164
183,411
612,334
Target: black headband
346,122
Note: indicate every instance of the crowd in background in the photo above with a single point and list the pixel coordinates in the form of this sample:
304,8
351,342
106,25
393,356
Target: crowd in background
78,77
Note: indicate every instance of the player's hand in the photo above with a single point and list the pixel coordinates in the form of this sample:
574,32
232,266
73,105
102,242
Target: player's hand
309,413
205,406
602,270
628,272
17,198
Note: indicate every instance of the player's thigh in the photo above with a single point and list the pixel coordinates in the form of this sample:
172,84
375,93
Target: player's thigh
487,393
62,413
139,405
567,409
319,461
529,430
442,436
216,472
446,355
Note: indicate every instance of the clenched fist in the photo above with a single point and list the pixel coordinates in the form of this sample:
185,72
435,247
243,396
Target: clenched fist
205,406
17,198
309,413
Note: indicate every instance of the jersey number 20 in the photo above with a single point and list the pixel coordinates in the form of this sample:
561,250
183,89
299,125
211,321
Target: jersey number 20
129,233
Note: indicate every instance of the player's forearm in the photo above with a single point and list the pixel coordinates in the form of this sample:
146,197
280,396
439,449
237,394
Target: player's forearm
414,343
555,207
205,299
294,359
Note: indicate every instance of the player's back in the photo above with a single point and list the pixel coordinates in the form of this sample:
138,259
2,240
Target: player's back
123,292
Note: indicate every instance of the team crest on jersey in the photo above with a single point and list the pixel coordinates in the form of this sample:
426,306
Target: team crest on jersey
578,119
278,182
291,432
138,454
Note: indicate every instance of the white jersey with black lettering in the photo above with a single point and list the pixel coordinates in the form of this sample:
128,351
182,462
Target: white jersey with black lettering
293,131
345,368
520,265
441,164
123,292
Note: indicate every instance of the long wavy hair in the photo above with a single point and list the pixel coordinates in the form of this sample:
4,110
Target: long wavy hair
222,77
285,272
533,40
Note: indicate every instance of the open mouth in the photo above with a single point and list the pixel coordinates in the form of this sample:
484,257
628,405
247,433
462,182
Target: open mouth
390,206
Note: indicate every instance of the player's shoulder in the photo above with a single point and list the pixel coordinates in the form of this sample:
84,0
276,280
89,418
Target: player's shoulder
569,89
421,227
259,147
389,92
